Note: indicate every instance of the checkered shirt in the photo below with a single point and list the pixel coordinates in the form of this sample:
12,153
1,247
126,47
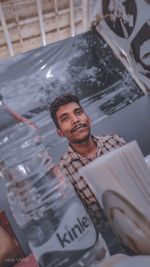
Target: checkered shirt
70,164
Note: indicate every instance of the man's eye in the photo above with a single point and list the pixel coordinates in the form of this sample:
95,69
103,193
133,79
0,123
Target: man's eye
64,119
79,112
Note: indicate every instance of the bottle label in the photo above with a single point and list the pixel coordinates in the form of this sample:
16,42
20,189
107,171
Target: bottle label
75,233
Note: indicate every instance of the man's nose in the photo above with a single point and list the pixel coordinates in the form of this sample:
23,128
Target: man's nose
74,119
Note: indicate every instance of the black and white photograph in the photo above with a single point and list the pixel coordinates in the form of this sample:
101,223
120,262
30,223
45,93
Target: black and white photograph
120,15
140,46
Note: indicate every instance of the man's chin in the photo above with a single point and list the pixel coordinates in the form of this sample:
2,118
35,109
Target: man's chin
81,140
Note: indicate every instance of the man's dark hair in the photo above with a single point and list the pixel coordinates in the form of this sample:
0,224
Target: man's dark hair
60,101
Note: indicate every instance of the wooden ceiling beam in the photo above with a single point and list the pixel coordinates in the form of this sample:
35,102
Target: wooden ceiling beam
84,15
72,17
6,33
45,16
41,21
17,22
57,17
17,2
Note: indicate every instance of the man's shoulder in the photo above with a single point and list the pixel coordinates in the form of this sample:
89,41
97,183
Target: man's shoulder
65,159
111,138
105,137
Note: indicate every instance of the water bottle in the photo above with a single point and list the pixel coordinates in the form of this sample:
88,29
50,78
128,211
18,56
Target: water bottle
44,204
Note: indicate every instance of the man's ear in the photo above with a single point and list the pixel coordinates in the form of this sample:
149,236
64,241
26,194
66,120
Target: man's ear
60,132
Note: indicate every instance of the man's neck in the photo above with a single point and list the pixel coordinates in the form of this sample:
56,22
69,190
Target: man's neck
86,148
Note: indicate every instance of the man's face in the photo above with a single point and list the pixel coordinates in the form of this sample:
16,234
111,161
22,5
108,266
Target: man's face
73,122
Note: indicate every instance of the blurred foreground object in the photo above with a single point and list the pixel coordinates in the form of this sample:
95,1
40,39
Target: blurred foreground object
137,261
128,223
45,206
114,260
121,182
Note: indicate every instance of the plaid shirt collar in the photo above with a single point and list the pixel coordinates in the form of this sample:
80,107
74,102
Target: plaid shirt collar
73,155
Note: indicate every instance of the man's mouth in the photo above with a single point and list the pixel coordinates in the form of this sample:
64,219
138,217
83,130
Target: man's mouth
77,127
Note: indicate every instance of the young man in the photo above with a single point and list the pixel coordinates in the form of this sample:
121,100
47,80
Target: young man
73,123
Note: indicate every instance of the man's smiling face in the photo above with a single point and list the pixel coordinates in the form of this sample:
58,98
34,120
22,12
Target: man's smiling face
73,122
